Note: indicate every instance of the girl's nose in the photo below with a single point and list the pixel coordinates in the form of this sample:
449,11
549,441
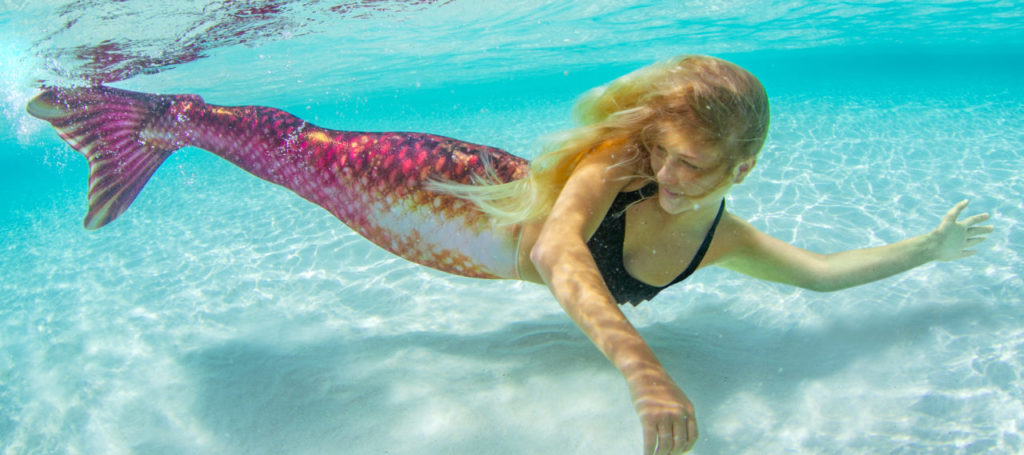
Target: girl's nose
665,175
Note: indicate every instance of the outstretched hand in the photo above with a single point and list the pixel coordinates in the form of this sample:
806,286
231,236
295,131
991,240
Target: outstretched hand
955,238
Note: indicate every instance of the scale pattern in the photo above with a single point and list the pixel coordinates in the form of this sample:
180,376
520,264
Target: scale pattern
373,182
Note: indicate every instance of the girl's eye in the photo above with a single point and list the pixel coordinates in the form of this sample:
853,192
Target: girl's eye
660,152
688,164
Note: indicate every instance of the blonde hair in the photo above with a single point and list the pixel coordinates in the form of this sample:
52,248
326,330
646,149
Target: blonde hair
717,102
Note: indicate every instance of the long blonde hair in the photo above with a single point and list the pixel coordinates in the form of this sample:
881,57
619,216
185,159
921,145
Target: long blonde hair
718,102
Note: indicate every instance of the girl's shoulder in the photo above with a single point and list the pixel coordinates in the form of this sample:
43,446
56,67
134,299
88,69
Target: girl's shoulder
622,158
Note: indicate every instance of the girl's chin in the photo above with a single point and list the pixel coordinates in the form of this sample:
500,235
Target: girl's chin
673,202
676,205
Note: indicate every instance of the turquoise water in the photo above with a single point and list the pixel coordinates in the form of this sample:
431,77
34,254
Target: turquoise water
223,315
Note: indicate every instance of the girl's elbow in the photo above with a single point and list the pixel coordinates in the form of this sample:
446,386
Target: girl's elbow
551,252
820,285
819,276
823,282
541,256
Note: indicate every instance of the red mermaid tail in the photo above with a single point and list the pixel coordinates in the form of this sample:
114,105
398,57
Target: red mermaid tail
107,130
373,182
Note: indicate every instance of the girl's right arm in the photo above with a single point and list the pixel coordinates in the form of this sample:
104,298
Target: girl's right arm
566,265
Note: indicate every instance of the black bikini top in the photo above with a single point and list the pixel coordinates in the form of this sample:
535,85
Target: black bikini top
606,247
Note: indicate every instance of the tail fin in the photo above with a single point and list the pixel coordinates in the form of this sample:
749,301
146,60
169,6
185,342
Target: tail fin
109,127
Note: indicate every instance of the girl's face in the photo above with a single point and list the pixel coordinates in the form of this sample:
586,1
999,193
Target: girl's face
689,174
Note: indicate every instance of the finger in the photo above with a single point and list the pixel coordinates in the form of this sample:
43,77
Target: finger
976,219
974,241
976,230
691,432
664,439
679,436
650,439
954,212
968,253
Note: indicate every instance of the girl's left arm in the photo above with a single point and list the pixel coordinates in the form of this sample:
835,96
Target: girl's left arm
757,254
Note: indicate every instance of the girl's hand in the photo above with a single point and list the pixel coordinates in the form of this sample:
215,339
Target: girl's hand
953,238
666,415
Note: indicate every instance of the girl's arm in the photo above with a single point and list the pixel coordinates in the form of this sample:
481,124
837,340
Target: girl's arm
762,256
566,265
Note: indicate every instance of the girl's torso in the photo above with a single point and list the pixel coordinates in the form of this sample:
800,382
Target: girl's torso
657,247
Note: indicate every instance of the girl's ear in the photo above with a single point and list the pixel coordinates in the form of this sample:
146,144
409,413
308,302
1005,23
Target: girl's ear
741,170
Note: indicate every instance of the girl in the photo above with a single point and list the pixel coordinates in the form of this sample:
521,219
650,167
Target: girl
615,210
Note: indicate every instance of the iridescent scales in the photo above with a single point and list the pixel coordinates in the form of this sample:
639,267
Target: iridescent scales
373,182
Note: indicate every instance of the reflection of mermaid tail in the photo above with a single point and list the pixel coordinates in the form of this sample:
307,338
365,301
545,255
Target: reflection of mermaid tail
373,182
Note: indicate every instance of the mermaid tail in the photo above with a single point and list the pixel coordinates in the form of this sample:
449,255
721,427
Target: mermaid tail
376,183
106,130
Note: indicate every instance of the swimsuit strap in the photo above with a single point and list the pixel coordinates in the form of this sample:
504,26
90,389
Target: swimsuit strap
697,258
